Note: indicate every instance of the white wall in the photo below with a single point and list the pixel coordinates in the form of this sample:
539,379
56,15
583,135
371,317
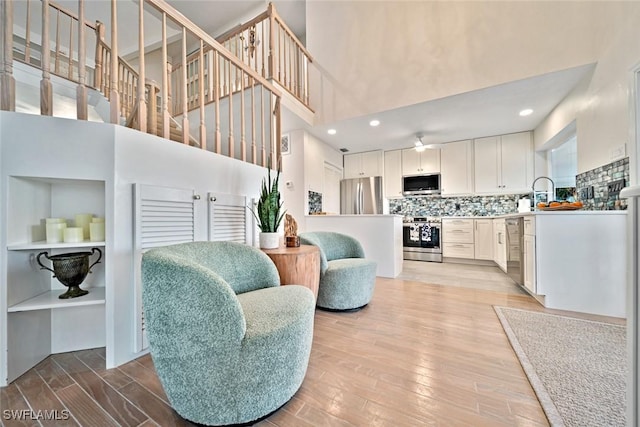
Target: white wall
373,56
304,168
60,148
600,103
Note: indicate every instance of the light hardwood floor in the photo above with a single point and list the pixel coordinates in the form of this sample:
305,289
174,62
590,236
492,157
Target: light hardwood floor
418,355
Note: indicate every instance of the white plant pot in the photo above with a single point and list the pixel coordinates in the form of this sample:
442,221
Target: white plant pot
269,240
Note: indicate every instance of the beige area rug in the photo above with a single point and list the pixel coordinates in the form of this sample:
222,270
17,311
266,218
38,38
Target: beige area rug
577,367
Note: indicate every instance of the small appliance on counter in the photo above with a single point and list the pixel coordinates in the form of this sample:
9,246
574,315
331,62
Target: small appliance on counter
524,205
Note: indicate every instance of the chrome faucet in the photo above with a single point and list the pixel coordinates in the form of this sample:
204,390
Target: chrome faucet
533,188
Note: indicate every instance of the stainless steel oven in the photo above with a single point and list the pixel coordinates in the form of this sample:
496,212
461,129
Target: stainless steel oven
421,239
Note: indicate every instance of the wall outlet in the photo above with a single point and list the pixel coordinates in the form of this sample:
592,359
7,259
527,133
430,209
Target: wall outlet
590,192
618,152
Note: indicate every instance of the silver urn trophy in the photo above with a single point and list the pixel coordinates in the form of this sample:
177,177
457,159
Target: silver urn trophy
71,269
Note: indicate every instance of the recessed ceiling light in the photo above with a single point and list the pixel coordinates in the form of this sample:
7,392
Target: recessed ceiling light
374,123
526,112
332,131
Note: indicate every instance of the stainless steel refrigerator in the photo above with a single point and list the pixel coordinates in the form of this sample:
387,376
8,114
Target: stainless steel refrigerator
361,195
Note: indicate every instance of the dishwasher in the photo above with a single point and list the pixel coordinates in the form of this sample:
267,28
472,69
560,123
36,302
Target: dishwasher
515,249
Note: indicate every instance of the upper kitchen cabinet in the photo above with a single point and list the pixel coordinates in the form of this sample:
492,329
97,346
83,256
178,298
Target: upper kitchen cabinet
393,174
456,164
362,165
420,162
503,164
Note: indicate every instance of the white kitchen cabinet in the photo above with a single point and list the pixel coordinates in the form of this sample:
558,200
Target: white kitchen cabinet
362,165
499,243
457,238
420,162
393,174
483,239
456,168
503,164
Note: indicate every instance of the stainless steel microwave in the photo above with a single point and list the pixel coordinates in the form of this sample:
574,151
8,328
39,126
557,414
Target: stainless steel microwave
417,185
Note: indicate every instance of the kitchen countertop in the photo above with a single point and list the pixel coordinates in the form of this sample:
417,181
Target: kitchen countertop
517,214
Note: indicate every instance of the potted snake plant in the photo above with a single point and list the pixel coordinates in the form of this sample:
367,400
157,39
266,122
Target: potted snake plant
269,212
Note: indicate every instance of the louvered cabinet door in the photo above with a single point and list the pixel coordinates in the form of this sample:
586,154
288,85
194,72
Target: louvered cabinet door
163,216
228,218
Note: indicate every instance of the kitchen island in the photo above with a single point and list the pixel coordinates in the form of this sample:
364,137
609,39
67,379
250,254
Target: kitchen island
380,236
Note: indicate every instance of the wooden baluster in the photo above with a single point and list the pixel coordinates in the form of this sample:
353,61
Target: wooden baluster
185,90
282,70
46,90
262,125
81,91
272,40
142,103
253,121
152,108
7,81
201,81
70,58
165,81
216,99
262,59
114,97
98,71
56,68
231,141
27,42
169,91
243,142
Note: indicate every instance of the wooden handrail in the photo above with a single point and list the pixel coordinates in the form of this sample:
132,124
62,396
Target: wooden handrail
240,28
71,15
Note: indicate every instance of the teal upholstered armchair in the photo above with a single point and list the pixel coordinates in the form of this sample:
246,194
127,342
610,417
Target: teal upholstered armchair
230,344
347,279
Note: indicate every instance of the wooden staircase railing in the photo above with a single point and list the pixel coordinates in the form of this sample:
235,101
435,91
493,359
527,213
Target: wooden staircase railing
258,123
268,46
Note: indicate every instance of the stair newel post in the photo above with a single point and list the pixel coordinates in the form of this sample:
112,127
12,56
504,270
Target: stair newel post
142,103
7,82
97,73
81,91
272,39
165,80
201,82
276,153
46,90
114,96
253,121
152,109
243,141
185,90
216,98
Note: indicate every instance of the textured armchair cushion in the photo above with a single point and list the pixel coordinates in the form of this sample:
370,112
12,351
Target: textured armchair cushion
224,358
347,279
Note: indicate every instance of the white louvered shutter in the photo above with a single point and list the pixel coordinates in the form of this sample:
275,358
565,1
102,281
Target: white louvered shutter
228,218
163,216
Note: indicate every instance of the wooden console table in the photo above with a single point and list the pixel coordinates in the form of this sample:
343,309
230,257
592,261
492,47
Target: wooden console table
297,266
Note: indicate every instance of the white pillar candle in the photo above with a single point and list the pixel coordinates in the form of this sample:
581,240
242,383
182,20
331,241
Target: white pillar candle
55,221
55,232
96,231
97,219
83,221
73,235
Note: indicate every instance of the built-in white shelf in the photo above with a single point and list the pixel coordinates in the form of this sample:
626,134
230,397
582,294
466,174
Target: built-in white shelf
44,245
50,299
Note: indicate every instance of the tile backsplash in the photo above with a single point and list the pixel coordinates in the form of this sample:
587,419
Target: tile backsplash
599,178
315,202
455,206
